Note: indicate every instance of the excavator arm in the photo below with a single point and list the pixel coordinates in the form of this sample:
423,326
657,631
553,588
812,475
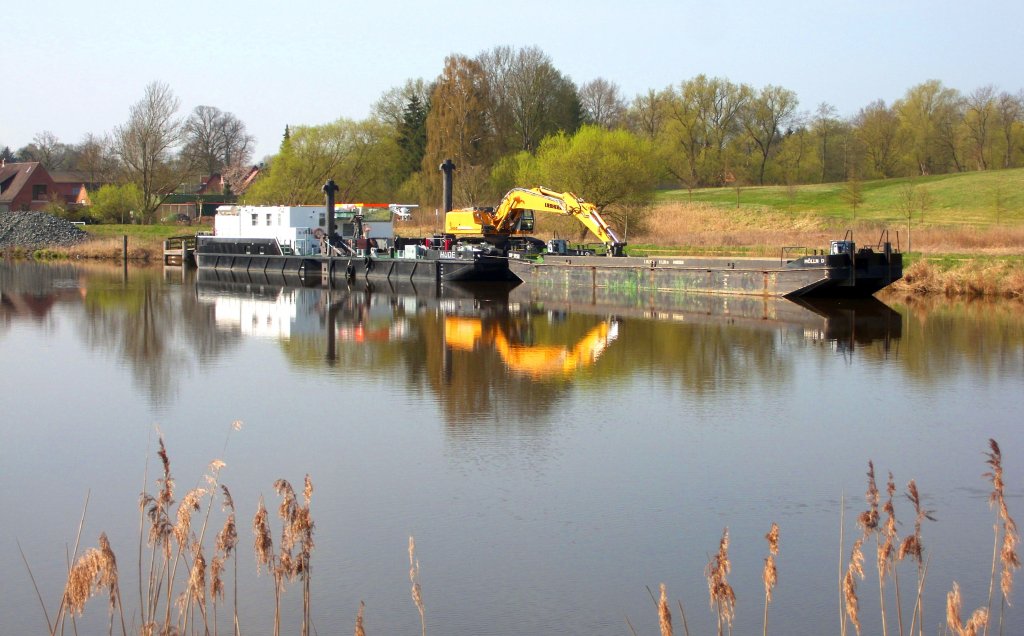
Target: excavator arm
506,219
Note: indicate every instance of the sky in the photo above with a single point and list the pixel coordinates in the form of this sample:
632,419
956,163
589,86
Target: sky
76,67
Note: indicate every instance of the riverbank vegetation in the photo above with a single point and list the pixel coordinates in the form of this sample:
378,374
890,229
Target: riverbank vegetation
187,570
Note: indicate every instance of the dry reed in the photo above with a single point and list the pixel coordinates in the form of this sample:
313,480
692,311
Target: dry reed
96,570
721,596
1005,530
913,547
360,631
854,569
664,615
978,620
770,574
414,580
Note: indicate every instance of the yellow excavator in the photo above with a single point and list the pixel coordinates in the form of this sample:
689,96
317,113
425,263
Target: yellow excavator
536,361
514,218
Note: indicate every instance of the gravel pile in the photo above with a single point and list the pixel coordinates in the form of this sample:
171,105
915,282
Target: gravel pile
37,229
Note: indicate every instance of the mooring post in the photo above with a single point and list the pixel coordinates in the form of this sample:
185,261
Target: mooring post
326,275
329,189
448,167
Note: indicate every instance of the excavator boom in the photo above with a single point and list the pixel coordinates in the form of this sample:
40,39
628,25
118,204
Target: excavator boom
509,218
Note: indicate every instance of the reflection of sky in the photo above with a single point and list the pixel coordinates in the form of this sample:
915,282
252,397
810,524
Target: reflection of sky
527,520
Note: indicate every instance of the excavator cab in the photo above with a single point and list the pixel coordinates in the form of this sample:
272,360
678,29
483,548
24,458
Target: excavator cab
524,224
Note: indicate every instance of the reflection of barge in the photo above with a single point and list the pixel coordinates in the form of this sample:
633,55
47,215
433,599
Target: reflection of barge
848,321
845,271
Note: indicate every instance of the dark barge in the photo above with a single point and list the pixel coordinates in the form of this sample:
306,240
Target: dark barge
426,261
844,272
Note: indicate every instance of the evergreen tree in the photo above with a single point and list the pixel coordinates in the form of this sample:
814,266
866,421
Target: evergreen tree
412,135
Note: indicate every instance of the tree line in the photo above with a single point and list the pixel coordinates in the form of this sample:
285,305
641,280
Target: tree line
508,117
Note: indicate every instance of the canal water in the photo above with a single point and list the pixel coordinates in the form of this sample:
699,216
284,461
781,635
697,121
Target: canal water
556,459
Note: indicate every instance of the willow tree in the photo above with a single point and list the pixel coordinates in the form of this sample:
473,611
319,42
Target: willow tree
361,157
877,130
613,169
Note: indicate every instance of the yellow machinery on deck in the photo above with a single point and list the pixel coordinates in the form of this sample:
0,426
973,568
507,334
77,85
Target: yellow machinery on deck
514,217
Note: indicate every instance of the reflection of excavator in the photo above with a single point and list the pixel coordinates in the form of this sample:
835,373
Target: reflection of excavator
536,361
514,217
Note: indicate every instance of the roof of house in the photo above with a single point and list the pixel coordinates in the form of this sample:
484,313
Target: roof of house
13,177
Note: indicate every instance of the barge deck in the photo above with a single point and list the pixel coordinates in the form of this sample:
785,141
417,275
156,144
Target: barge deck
853,273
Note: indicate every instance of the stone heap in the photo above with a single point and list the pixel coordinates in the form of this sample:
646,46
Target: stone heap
37,229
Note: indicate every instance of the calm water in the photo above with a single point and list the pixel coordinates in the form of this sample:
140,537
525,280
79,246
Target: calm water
552,459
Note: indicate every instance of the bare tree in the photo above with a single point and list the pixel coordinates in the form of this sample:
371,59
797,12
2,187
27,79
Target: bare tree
602,103
765,118
145,146
215,139
47,149
94,157
980,115
825,125
1009,109
647,113
530,95
390,106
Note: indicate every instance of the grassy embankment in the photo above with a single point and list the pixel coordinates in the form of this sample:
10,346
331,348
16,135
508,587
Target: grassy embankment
963,234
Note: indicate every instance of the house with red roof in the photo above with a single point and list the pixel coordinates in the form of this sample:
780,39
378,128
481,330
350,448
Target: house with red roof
26,186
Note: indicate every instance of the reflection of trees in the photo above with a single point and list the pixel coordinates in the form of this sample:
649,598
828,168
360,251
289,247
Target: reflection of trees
942,338
705,357
475,386
149,323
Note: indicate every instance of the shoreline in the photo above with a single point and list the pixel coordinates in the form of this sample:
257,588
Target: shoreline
950,275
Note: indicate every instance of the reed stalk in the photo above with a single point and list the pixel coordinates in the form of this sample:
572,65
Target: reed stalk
1006,536
682,614
414,579
842,539
359,630
58,621
722,598
770,575
854,568
664,615
31,576
913,546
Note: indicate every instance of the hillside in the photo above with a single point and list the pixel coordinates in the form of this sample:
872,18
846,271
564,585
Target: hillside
978,199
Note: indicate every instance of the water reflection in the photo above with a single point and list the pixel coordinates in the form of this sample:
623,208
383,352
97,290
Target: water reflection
526,343
506,427
496,354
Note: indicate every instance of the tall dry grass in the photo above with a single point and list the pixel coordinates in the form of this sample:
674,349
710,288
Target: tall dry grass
173,603
968,279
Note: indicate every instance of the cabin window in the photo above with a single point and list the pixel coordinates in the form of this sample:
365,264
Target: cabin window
39,192
323,220
254,219
268,218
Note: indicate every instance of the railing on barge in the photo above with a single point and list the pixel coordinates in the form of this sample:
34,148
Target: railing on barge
180,250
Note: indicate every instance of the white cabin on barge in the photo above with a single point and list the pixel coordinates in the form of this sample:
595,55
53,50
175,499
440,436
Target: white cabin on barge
295,227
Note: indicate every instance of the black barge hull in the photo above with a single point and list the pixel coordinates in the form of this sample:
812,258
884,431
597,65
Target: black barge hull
828,275
261,256
433,266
